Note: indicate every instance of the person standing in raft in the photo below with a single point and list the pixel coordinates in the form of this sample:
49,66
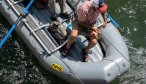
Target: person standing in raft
86,17
52,8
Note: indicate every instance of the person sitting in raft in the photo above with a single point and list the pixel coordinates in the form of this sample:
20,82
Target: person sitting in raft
86,17
52,7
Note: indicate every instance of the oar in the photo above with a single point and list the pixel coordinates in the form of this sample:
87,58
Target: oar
23,13
114,22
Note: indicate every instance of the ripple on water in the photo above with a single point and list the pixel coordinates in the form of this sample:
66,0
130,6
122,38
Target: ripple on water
17,65
139,56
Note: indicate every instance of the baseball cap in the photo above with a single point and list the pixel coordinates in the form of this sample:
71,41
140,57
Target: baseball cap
99,4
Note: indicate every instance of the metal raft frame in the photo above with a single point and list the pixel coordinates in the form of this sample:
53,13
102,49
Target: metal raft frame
33,28
46,41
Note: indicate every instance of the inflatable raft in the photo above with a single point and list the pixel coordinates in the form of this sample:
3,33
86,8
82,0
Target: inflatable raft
108,59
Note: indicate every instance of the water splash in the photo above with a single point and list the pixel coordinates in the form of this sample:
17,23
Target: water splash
137,72
145,21
135,29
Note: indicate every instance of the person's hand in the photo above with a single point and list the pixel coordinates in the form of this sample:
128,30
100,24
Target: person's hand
94,32
104,24
95,29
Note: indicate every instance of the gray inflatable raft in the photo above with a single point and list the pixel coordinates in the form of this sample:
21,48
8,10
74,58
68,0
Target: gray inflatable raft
108,59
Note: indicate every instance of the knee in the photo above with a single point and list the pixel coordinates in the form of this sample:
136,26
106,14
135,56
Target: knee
94,41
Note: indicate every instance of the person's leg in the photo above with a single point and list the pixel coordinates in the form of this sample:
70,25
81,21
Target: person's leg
92,42
63,11
74,33
94,35
72,37
52,8
62,4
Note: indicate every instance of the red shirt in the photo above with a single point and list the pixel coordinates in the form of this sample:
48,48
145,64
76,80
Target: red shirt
86,13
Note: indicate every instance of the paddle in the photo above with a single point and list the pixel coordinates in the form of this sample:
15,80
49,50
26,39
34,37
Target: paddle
114,22
23,13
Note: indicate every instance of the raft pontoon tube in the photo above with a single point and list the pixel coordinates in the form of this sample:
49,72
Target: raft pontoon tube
108,59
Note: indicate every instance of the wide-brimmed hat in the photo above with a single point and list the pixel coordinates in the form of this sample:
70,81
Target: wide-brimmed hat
99,4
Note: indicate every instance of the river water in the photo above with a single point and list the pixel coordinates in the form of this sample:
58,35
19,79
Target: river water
18,65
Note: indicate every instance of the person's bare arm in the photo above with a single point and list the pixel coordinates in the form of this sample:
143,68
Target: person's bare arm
103,13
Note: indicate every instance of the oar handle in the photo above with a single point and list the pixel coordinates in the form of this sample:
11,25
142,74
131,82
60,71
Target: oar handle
16,22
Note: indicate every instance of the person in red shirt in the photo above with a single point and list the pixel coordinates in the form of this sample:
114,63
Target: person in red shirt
86,17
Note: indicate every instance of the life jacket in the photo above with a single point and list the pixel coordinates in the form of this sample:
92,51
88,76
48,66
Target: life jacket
44,1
